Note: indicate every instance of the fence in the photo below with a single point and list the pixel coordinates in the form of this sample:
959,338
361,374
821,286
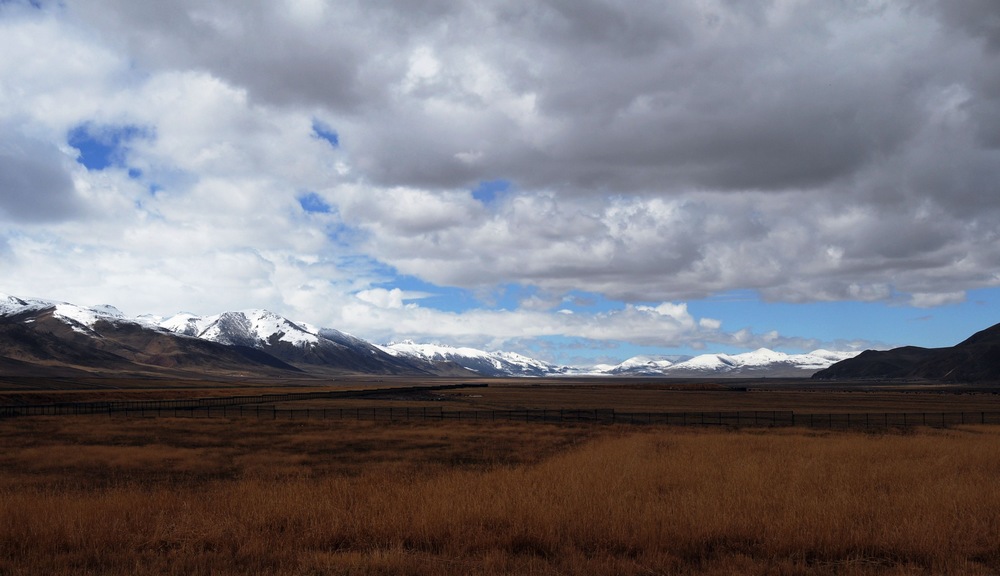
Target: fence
259,410
190,404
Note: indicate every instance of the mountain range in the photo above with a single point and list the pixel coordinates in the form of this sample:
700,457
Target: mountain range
43,337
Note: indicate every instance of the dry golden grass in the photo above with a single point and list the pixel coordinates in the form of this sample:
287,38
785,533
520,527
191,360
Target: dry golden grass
164,496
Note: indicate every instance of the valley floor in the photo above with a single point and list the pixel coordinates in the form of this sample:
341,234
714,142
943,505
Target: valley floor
240,496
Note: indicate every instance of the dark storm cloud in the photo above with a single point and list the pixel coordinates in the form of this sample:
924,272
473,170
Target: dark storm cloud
35,184
251,44
633,97
979,18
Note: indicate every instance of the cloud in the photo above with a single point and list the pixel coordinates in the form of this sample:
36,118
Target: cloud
691,245
382,298
36,183
934,300
586,97
667,325
299,155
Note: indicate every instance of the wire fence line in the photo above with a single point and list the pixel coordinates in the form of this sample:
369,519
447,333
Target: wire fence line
732,419
75,408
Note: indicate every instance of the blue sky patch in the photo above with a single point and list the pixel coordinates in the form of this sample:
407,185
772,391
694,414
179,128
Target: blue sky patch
311,202
322,131
886,323
488,190
103,146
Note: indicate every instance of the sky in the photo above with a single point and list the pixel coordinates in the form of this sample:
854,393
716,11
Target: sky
576,180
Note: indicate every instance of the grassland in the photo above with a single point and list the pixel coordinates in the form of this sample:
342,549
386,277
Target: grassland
116,496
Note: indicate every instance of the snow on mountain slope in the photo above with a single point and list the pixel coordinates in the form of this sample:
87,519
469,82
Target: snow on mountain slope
13,305
759,361
294,342
345,339
185,324
827,355
760,357
479,361
637,365
254,328
83,319
79,318
244,328
706,363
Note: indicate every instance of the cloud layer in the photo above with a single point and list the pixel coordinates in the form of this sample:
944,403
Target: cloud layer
808,151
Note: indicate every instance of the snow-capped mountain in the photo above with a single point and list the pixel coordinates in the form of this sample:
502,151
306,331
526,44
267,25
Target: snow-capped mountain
484,363
10,305
258,339
637,366
79,318
759,362
49,338
293,342
280,342
253,328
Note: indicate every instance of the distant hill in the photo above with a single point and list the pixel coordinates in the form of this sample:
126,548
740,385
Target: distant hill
977,359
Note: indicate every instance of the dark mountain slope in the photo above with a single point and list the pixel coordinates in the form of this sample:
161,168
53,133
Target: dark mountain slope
47,341
319,351
37,338
976,359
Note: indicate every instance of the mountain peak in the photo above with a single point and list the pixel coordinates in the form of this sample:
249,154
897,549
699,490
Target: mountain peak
990,335
975,359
